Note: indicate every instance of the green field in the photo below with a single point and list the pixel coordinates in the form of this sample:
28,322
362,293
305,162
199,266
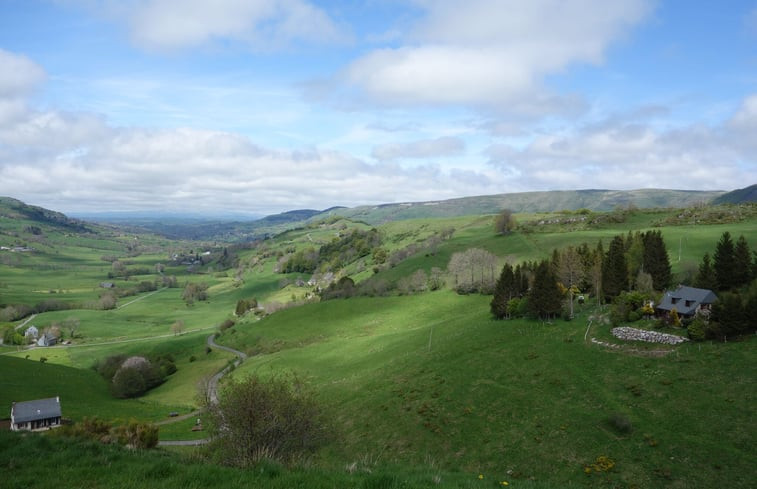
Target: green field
423,391
433,380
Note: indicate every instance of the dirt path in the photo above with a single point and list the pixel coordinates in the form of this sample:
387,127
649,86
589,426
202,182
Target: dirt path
140,298
25,322
212,392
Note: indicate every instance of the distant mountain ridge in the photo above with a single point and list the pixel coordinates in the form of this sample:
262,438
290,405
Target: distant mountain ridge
523,202
15,209
546,201
748,194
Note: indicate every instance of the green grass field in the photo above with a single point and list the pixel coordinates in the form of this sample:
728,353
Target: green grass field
432,380
424,391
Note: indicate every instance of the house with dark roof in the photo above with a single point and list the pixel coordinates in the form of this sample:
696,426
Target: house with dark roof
41,414
686,301
47,339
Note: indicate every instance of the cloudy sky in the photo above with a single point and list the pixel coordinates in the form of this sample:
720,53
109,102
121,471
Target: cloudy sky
262,106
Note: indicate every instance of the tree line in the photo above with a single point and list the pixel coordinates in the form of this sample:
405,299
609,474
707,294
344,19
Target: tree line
539,289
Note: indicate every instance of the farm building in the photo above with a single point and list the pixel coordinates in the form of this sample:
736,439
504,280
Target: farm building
47,339
686,301
41,414
31,332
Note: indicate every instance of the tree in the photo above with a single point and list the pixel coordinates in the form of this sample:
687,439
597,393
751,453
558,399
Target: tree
503,292
544,298
644,283
655,259
742,263
569,271
724,263
177,327
596,268
256,418
505,222
71,325
615,270
729,312
705,278
194,292
473,271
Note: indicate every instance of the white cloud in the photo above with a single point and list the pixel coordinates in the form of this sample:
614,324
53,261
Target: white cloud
426,148
628,153
176,24
18,75
492,53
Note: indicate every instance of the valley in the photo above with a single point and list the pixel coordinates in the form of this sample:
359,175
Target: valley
422,387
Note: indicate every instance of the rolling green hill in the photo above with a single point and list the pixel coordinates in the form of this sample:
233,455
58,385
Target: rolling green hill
742,195
425,390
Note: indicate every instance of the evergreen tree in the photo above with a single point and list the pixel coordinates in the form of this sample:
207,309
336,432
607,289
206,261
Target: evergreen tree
615,270
705,278
743,263
520,281
655,261
725,263
544,299
729,312
635,254
503,292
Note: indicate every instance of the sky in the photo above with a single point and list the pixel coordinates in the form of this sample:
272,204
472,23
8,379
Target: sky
260,106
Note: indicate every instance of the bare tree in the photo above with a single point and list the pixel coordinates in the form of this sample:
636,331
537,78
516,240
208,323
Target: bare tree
177,327
71,325
473,270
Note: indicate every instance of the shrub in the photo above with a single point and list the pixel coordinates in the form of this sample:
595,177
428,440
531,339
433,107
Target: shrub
620,423
274,418
697,330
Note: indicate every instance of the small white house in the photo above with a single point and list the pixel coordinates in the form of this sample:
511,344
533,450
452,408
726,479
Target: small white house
31,333
41,414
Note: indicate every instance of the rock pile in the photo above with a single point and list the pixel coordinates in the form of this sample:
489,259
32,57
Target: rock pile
633,334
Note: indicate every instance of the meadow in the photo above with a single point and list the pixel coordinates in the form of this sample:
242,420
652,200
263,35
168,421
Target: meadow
423,391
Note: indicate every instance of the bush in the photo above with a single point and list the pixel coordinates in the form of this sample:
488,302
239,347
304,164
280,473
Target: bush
133,434
697,330
620,423
275,418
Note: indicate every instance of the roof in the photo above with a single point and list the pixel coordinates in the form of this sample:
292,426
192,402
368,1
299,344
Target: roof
21,412
686,299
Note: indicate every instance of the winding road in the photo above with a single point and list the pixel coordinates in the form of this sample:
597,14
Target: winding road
212,393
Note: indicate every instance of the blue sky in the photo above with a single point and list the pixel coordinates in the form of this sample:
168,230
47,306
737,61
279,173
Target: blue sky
260,106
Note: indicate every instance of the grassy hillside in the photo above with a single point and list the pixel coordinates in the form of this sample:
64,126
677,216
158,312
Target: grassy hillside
421,388
739,196
431,380
529,202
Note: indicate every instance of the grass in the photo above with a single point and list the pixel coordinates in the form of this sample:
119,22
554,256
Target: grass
425,391
526,397
87,464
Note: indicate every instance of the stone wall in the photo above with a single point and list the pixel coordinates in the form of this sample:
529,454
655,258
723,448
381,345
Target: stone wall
633,334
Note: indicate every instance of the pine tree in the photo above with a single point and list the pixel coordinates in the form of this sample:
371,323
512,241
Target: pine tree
615,270
544,299
503,292
655,261
705,278
724,263
743,263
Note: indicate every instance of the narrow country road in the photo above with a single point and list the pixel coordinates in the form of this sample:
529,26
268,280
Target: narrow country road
25,322
212,393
